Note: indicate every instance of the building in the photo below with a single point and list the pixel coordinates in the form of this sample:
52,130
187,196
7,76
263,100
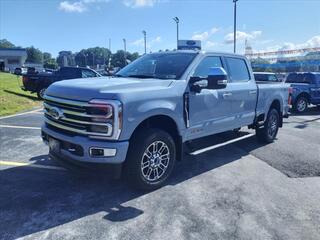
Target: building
11,58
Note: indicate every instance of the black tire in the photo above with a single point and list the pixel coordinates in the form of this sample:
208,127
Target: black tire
40,93
139,144
301,104
269,131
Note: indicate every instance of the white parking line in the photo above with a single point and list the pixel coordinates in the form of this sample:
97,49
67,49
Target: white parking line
23,127
19,114
32,165
197,152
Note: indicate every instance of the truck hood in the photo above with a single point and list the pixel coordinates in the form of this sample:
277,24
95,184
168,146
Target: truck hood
85,89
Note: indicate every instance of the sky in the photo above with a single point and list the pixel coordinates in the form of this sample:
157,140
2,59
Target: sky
55,25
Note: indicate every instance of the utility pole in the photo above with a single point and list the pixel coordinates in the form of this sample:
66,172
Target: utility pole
145,41
109,60
92,60
176,19
235,25
85,59
125,50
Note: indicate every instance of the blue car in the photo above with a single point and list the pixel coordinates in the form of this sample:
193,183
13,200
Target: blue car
305,90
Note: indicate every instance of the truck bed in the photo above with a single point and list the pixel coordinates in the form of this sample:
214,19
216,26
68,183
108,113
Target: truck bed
268,92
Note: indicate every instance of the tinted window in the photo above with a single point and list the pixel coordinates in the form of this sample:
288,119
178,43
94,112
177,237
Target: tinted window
158,65
300,78
238,70
87,73
69,73
309,78
203,69
266,77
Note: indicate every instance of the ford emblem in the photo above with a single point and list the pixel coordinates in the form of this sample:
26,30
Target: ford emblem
56,113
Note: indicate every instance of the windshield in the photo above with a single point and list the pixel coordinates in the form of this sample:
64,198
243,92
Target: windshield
158,65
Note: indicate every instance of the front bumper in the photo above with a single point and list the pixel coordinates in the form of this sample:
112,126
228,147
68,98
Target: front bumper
83,145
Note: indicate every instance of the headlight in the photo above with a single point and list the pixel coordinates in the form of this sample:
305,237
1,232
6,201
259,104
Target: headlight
107,117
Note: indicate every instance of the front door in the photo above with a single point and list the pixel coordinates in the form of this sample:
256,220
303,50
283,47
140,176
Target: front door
210,111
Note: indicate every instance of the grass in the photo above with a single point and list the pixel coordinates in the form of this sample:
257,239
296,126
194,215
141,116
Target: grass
12,98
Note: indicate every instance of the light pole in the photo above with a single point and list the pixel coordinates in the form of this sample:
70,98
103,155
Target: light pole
234,25
176,19
109,60
125,50
92,60
85,59
145,41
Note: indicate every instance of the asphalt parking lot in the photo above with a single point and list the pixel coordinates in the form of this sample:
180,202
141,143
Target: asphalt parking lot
243,190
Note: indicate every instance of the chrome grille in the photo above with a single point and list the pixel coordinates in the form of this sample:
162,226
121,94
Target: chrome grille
77,117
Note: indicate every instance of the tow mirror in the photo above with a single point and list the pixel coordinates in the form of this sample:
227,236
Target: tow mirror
217,79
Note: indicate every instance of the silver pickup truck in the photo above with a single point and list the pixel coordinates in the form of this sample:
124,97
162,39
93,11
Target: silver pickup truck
139,120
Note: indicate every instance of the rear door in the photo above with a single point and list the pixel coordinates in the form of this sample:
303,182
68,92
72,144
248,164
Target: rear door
243,91
69,73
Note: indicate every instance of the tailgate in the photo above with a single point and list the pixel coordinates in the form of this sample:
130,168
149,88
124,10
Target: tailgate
29,82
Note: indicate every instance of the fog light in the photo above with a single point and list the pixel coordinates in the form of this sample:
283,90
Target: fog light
102,152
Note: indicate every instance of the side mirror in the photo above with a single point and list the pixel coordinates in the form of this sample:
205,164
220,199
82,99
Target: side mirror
217,79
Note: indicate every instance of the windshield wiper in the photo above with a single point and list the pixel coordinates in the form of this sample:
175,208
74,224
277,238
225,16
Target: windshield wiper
141,76
117,75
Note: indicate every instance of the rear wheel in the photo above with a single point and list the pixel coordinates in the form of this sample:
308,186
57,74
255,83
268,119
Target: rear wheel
301,105
271,126
150,159
40,93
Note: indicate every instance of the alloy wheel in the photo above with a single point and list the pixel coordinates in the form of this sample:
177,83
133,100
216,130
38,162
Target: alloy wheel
155,161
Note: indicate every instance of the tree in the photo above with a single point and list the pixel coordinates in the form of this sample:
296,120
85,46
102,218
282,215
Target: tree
118,59
92,57
46,56
34,55
51,63
66,58
4,43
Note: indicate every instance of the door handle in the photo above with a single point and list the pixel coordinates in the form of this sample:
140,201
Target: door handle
227,94
253,92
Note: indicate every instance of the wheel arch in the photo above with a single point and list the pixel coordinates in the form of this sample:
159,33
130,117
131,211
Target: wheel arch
165,123
303,94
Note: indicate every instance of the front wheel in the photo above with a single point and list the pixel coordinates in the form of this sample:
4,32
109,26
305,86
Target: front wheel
270,129
40,93
150,159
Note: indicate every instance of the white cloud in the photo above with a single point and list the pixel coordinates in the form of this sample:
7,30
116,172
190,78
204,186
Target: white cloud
311,43
209,45
203,36
138,42
139,3
241,36
78,6
150,43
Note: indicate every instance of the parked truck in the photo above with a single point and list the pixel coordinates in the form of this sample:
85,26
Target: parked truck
139,120
305,90
38,82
